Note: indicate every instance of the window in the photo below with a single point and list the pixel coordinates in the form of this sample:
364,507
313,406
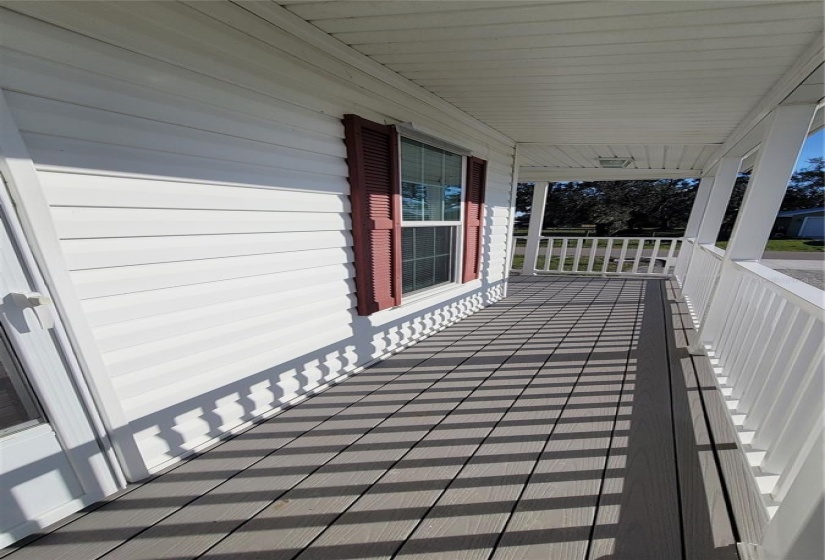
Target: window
431,215
416,214
18,406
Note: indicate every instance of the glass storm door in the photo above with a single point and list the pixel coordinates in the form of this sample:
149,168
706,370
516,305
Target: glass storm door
51,463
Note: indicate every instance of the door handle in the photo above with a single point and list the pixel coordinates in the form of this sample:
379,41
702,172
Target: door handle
37,302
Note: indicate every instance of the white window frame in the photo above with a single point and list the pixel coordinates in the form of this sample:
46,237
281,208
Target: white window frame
458,240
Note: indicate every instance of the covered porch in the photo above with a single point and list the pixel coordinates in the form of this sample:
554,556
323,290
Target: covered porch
566,421
178,174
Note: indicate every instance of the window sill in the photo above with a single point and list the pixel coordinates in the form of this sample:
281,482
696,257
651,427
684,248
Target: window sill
428,292
422,300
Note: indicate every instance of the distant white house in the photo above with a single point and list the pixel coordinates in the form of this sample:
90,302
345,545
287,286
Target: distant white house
808,222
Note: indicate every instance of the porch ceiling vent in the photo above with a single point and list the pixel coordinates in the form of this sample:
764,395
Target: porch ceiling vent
615,163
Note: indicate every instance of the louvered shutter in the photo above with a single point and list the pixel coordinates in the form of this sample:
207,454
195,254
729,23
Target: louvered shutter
473,218
372,158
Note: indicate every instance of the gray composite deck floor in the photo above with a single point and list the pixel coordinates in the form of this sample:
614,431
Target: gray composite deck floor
565,422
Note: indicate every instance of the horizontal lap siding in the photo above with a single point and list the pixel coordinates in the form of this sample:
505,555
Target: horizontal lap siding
198,185
496,218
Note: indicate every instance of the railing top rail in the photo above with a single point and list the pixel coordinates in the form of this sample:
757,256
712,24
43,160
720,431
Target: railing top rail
713,250
602,237
806,297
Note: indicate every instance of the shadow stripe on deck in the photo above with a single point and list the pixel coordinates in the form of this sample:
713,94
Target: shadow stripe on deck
540,427
266,534
92,536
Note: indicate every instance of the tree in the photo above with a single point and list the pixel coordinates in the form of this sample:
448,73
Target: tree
524,198
737,195
615,205
806,188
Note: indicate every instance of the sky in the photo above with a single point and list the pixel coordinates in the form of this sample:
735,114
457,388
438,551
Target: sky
812,148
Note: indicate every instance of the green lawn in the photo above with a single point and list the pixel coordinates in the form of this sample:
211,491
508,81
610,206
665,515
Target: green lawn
801,245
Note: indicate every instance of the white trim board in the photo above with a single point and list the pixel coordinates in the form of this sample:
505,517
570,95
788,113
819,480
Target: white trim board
35,218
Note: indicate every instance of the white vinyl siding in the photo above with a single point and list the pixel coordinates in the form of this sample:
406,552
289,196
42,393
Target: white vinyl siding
198,186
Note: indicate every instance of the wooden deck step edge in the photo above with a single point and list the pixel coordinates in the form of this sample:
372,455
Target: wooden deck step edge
765,481
749,506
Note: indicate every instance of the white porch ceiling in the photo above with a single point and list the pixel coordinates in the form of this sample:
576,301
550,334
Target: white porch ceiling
574,161
665,82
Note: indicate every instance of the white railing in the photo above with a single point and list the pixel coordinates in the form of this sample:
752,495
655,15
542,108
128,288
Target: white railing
684,260
596,255
701,277
768,356
518,245
763,333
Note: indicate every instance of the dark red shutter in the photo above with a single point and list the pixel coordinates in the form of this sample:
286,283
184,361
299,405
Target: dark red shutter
372,158
473,218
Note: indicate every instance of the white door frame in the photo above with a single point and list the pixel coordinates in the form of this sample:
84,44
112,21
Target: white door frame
80,448
45,258
74,411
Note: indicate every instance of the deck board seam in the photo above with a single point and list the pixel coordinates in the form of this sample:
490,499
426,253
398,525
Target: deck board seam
495,547
262,458
470,457
687,328
252,429
712,436
538,455
387,417
636,325
511,344
670,373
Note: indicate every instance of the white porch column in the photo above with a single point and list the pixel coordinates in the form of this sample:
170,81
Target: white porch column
700,204
769,181
778,153
531,252
511,243
718,198
705,226
697,211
